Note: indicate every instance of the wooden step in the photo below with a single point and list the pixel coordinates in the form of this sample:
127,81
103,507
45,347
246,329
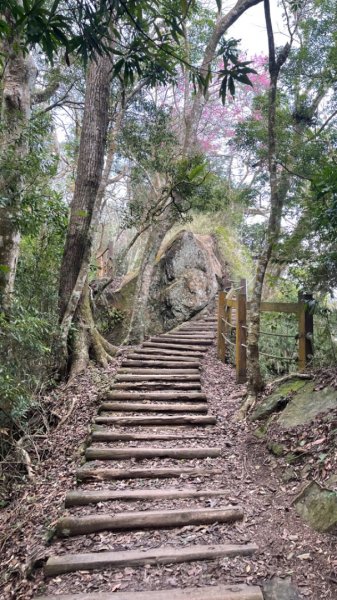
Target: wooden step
155,354
156,519
155,421
159,363
82,498
214,592
157,372
168,346
93,561
158,384
113,436
105,473
159,396
176,353
94,453
194,337
158,407
163,376
181,340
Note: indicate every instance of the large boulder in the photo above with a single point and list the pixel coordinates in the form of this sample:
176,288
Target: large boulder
186,280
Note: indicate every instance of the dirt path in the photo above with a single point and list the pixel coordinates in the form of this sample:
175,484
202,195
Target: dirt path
237,474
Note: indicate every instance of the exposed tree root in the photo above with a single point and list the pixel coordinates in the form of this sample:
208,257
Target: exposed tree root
25,458
288,377
66,417
246,408
87,341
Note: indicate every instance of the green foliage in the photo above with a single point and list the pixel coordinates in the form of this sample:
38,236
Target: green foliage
39,203
234,70
109,318
28,340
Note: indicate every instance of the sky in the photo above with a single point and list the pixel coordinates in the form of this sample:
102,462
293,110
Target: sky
251,29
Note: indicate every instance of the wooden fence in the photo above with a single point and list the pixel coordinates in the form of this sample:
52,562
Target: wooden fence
232,316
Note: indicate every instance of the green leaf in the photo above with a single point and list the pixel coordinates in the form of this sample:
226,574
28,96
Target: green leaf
193,173
5,268
231,86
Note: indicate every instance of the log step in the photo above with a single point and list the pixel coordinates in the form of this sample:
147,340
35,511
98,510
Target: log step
94,453
159,372
176,354
156,421
157,384
161,363
218,592
181,340
112,436
202,333
93,561
107,474
159,407
170,346
178,395
163,376
82,498
155,354
156,519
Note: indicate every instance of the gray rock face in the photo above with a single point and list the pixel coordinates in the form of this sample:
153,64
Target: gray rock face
280,589
186,280
317,505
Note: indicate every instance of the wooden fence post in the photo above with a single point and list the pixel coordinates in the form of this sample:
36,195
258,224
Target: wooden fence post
241,333
221,314
305,331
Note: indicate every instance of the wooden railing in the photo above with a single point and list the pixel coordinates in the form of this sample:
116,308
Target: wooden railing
232,317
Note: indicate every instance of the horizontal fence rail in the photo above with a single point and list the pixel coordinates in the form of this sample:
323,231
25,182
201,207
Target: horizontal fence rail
232,318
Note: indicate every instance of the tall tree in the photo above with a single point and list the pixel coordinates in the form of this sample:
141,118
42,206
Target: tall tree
193,109
144,52
277,183
78,29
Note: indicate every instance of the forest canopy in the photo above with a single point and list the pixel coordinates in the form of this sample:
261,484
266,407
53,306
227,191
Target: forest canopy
123,123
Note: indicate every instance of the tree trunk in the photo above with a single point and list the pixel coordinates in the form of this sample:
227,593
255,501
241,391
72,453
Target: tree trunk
18,82
255,379
140,320
84,207
87,340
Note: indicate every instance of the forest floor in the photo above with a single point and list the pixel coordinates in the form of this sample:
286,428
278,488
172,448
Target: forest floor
249,472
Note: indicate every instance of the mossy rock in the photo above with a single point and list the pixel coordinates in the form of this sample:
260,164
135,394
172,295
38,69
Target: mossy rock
121,300
317,505
278,400
275,448
306,404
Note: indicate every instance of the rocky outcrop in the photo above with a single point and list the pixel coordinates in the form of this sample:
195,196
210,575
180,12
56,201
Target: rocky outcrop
296,403
187,276
186,280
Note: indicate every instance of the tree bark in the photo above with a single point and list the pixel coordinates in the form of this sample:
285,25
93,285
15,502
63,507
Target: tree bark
18,82
255,379
87,340
140,320
84,213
